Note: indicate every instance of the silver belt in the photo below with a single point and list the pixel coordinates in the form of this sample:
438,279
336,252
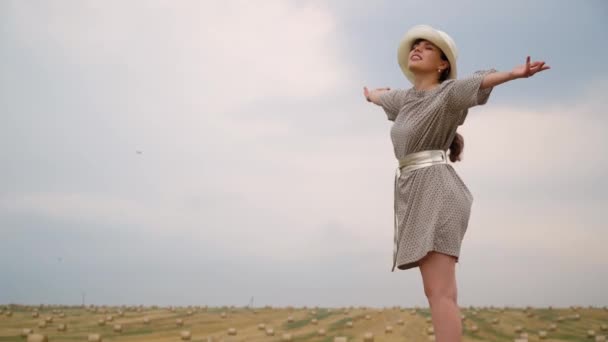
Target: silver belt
411,162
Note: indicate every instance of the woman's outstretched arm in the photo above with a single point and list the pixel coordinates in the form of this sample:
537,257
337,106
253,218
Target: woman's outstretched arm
373,95
520,71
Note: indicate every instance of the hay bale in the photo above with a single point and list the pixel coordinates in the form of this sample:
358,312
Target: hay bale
232,331
26,331
49,319
430,331
368,317
117,328
552,327
576,317
9,314
340,339
109,318
495,320
542,334
603,327
590,333
37,338
42,324
101,322
179,322
35,314
600,338
368,337
269,332
62,327
521,340
463,317
94,338
146,320
519,329
388,329
560,318
523,335
400,322
286,338
261,326
429,319
314,321
61,315
223,314
474,328
289,319
349,324
321,332
185,335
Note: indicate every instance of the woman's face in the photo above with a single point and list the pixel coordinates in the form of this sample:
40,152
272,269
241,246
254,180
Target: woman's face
425,57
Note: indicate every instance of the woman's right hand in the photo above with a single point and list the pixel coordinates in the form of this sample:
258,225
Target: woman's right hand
367,93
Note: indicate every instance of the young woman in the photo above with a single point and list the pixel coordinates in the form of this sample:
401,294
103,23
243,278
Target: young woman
432,204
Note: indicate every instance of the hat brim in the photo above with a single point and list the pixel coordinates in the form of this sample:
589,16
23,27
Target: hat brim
430,34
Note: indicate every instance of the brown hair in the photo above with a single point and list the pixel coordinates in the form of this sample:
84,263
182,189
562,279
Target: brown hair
457,144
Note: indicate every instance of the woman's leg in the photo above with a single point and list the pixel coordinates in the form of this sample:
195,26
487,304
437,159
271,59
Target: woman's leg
439,278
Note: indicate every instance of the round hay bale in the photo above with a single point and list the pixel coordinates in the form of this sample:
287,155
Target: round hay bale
368,317
9,314
523,335
430,331
400,322
109,318
289,319
232,331
49,319
542,334
223,314
117,328
94,338
474,328
261,326
349,324
286,338
340,339
590,333
269,332
146,320
560,318
413,312
576,317
61,315
185,335
388,329
368,337
42,324
26,331
179,322
101,322
495,320
600,338
429,319
314,321
321,332
35,314
189,313
604,327
519,329
37,338
62,327
552,327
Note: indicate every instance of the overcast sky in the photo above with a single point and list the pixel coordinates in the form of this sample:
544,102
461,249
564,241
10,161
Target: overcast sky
207,152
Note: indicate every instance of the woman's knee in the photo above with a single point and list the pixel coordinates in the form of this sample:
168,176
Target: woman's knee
438,277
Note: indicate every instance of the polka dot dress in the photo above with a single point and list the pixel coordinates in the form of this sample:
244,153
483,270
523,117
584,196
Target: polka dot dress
432,204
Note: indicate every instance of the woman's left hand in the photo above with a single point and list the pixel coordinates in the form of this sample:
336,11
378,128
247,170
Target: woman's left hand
527,70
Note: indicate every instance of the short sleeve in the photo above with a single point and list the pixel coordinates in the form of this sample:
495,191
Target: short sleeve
465,93
392,101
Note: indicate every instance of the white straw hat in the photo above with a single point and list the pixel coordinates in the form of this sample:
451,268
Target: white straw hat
441,39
